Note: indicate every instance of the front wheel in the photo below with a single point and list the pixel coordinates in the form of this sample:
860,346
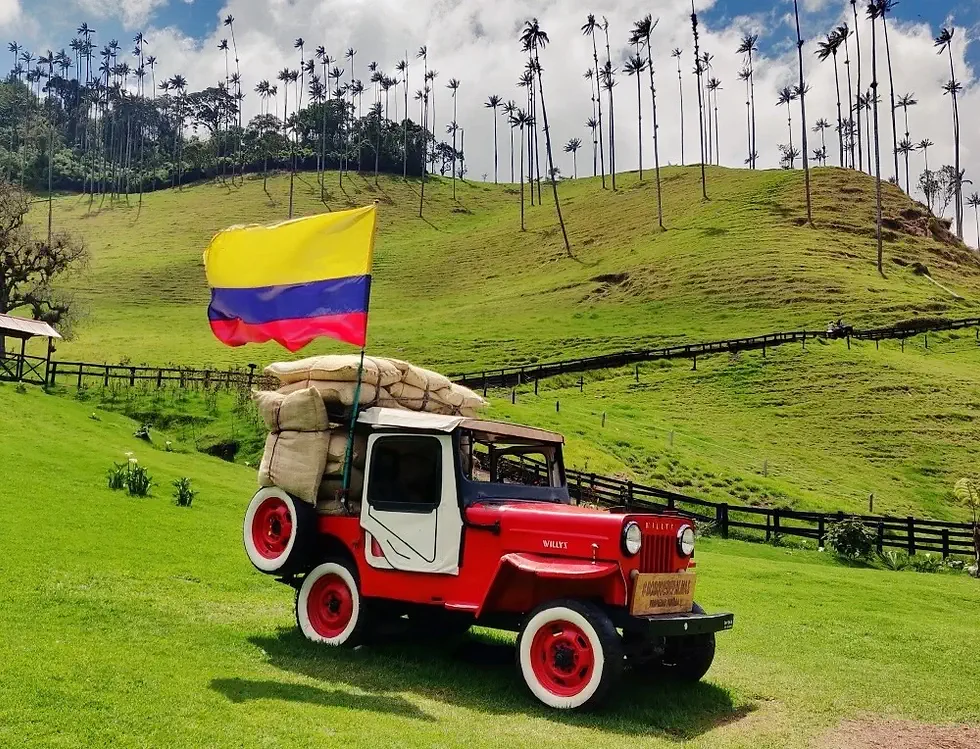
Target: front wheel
329,609
688,659
569,654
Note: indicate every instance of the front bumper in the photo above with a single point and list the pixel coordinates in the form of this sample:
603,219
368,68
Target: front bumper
677,625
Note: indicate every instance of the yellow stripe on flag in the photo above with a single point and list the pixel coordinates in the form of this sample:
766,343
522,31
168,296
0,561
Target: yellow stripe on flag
330,245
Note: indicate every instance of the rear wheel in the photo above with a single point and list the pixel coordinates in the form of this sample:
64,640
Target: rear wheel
569,654
278,532
329,609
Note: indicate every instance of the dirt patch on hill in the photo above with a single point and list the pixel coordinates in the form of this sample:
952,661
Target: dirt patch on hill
899,734
918,222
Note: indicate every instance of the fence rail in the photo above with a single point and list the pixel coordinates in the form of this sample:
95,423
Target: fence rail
518,375
84,373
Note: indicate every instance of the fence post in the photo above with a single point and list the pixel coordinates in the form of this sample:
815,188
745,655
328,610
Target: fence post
876,344
132,376
513,396
581,383
763,351
105,379
804,340
911,534
159,379
557,406
694,366
53,372
720,520
848,342
603,419
945,543
637,372
927,340
671,503
484,384
775,522
903,345
535,385
251,375
881,536
820,531
629,495
80,368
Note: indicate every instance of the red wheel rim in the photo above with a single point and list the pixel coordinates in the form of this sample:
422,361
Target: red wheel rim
330,606
562,658
272,528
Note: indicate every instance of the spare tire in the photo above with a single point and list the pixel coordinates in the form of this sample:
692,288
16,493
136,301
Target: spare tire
279,532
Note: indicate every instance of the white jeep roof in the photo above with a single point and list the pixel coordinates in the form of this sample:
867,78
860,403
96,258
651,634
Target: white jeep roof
400,419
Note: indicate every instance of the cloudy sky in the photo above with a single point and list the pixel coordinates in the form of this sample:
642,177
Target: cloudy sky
476,42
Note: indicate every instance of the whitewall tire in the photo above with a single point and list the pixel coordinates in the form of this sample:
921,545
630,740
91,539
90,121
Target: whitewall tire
328,606
569,654
277,531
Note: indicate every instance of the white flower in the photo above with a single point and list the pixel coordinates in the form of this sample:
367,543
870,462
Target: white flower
133,461
129,454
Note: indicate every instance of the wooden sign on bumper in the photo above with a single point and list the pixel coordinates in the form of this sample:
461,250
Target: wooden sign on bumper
663,593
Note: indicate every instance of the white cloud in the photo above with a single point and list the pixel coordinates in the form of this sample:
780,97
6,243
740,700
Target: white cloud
10,11
131,13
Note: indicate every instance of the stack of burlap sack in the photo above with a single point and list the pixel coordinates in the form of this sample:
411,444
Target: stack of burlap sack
305,453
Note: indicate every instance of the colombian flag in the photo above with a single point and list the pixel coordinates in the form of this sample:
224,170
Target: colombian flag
293,282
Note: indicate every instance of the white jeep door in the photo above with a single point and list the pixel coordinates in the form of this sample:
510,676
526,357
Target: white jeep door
409,511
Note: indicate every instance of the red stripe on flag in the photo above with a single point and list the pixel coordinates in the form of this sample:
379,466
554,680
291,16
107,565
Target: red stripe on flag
294,334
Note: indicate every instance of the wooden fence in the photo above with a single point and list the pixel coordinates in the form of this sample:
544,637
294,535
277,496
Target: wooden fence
83,373
518,375
910,534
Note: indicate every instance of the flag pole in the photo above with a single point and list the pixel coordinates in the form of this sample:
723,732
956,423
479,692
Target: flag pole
349,455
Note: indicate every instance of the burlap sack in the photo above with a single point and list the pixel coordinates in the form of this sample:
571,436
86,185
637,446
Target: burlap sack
336,368
327,502
337,451
295,462
408,396
301,411
337,393
471,401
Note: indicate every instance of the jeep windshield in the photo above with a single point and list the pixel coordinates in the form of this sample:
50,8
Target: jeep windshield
517,466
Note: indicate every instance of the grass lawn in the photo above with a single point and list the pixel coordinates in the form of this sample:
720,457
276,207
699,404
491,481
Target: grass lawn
133,622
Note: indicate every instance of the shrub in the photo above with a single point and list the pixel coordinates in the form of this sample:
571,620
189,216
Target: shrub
138,481
851,539
183,494
925,563
895,560
704,528
143,433
116,476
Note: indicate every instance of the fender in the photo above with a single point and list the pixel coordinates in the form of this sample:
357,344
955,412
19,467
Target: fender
522,580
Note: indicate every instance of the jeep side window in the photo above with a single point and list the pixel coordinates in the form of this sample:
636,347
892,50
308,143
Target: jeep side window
406,473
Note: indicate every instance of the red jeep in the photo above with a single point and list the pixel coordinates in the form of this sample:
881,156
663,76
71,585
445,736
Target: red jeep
469,522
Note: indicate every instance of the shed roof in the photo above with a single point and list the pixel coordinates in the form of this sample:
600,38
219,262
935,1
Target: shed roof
21,327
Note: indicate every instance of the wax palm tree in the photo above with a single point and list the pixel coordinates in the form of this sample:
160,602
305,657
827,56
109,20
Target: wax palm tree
820,155
873,13
924,145
821,127
589,29
402,67
857,107
642,31
884,8
609,83
974,202
714,86
520,120
493,102
825,50
572,147
789,156
431,77
905,147
453,86
676,53
802,89
697,72
510,108
634,66
747,47
744,75
787,95
844,33
593,124
705,77
229,23
590,76
533,40
945,44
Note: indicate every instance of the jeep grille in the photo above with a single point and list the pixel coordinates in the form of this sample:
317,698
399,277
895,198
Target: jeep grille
657,552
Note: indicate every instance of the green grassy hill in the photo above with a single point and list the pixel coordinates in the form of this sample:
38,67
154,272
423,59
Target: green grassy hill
465,289
133,622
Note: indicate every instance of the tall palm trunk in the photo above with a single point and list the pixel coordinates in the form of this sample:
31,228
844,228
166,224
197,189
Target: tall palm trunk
752,97
680,93
717,139
840,118
850,100
877,146
612,118
707,100
512,156
495,160
806,155
856,105
405,147
522,180
656,142
891,95
639,122
748,123
697,70
956,145
551,161
602,153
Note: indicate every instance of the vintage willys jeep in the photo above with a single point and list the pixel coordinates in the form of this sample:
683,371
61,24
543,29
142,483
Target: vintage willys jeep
464,522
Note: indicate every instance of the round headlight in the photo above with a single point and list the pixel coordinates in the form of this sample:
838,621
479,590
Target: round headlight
632,538
685,541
